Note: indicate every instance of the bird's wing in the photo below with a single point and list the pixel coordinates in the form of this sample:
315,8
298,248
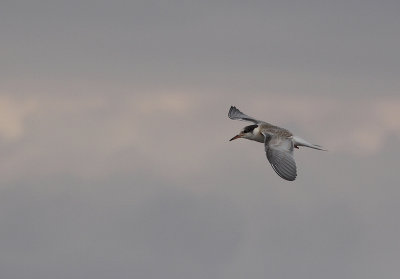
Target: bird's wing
279,152
236,114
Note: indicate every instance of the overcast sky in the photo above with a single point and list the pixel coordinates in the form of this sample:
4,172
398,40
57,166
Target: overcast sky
115,160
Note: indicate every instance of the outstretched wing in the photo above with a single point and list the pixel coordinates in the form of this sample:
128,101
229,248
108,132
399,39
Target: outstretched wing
236,114
279,152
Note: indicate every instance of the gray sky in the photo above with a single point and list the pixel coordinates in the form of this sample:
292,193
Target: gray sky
115,160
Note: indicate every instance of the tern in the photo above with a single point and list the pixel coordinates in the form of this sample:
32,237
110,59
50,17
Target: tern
278,143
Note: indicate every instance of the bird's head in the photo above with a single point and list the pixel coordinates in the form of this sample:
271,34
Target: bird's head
247,133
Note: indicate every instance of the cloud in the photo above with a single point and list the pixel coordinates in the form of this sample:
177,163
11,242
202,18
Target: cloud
13,114
176,134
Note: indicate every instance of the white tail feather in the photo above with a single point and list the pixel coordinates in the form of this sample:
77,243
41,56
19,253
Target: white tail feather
301,142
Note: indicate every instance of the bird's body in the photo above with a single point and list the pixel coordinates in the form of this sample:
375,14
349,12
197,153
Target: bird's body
278,143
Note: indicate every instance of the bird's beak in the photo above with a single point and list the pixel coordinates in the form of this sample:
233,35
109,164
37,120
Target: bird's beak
235,137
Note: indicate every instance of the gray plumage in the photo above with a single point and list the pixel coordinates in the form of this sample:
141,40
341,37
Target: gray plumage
236,114
279,143
279,152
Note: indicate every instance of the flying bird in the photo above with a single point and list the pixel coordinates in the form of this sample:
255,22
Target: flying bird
278,143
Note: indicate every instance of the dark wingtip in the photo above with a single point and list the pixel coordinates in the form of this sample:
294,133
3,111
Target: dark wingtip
230,111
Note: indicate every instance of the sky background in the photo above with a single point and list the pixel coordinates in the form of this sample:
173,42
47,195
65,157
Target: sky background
115,160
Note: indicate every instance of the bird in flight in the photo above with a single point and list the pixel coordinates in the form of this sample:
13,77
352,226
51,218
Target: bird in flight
278,143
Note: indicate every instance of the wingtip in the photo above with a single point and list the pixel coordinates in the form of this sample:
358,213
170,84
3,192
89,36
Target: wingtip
231,109
320,147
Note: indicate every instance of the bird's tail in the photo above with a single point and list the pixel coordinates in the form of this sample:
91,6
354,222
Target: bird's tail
301,142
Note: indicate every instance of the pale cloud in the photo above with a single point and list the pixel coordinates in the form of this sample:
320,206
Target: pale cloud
156,102
13,113
169,133
388,112
369,125
86,135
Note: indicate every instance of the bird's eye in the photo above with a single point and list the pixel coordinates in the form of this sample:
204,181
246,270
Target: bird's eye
249,129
